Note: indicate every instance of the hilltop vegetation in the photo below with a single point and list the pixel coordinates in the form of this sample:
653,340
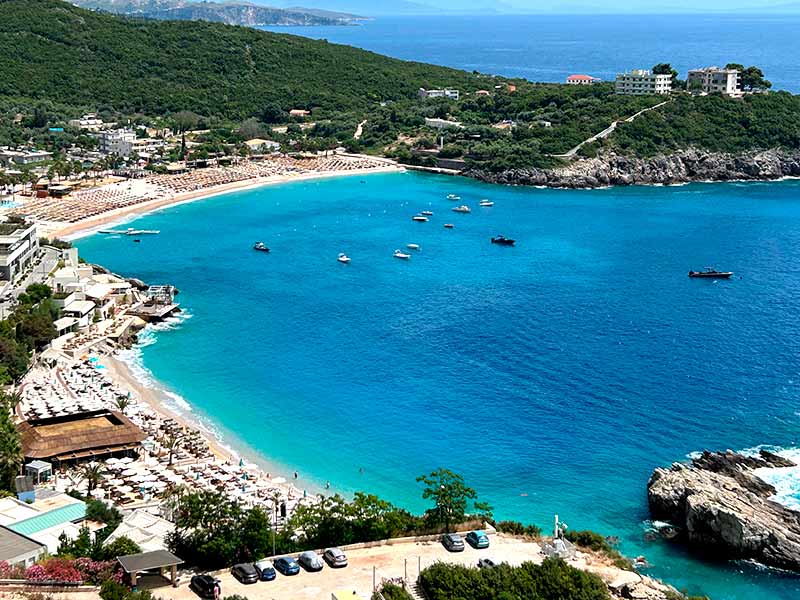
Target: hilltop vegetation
52,50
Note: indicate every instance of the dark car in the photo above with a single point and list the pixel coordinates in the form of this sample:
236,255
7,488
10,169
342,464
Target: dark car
245,573
286,565
265,570
486,563
453,542
478,539
205,586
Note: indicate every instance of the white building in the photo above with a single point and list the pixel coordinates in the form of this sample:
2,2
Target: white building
10,157
581,80
641,82
89,122
713,80
445,93
257,145
117,141
442,124
19,245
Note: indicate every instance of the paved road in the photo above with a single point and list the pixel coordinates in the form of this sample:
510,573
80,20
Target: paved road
607,131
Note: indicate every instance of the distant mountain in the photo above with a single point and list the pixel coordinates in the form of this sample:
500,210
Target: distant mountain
231,13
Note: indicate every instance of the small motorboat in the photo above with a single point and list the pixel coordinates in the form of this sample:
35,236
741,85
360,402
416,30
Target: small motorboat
401,255
453,197
486,203
412,246
710,273
343,258
448,225
137,241
260,247
427,213
461,209
420,218
503,240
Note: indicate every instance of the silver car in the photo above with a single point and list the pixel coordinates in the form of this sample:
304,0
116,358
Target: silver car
311,561
335,557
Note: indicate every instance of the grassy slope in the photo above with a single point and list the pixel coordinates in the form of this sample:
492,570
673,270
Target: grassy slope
52,50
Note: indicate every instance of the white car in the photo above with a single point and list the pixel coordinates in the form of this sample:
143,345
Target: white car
335,557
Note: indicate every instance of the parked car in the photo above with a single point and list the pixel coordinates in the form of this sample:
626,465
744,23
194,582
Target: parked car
266,571
205,586
453,542
478,539
335,557
310,560
245,573
286,565
486,563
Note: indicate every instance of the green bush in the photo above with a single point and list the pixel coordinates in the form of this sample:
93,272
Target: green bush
517,528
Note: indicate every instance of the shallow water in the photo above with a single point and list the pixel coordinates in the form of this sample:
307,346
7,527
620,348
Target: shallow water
554,375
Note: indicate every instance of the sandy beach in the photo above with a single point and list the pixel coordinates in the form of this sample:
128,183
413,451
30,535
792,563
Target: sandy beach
84,227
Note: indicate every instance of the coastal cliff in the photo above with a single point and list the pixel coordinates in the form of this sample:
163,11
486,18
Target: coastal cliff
719,504
680,167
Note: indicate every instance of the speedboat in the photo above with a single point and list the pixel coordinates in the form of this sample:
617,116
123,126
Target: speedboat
486,203
343,258
710,273
420,218
503,240
448,225
401,255
412,246
461,209
427,213
453,197
260,247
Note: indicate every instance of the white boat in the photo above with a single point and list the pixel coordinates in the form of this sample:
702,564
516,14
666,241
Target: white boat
401,255
343,258
421,218
486,203
462,209
453,197
427,213
413,246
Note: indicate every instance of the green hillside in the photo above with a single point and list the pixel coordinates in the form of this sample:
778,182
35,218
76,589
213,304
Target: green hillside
51,50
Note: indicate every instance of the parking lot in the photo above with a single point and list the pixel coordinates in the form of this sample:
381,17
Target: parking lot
387,561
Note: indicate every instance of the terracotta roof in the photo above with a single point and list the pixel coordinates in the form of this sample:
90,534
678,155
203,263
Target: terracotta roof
581,77
75,436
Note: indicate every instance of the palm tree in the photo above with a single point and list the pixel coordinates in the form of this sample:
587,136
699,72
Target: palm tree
92,473
172,443
123,402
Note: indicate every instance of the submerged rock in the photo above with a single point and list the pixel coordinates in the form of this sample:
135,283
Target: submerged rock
720,505
680,167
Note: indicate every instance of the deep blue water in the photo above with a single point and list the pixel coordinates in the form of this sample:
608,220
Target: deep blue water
554,375
550,48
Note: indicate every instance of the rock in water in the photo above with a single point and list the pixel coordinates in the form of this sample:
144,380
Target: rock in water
720,505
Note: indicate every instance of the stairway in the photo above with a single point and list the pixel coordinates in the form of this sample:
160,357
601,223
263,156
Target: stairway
415,590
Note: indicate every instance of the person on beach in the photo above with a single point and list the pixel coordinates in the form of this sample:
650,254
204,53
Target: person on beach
295,474
327,485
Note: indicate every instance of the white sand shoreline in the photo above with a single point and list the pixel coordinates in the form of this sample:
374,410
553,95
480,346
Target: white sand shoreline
89,226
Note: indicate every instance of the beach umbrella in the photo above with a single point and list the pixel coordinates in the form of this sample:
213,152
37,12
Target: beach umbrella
146,485
125,489
139,478
116,482
129,472
126,461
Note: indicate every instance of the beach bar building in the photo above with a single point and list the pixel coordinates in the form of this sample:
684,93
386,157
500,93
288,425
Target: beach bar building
92,435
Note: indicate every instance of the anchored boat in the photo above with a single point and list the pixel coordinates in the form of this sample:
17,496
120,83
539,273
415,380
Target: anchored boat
503,240
462,209
260,247
710,273
401,255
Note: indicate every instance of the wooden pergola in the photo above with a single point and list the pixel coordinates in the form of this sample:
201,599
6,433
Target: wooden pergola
133,564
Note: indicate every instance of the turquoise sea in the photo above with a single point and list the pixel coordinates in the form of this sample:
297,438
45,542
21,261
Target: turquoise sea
554,375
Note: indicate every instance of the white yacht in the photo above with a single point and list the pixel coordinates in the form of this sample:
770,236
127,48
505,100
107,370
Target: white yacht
427,213
401,255
486,203
343,258
462,209
453,197
420,218
413,246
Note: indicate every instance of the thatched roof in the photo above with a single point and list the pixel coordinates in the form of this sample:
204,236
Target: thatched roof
84,435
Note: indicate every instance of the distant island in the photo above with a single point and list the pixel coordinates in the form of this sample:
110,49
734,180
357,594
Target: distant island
230,13
239,84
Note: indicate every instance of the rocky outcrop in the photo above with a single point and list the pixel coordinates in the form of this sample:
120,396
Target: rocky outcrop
680,167
720,505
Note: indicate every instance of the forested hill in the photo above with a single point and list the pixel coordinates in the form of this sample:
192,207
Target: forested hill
52,50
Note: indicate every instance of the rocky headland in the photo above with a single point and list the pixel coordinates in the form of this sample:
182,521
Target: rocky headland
679,167
720,506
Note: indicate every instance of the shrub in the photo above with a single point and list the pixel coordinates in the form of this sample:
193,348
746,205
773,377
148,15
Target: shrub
392,591
517,528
